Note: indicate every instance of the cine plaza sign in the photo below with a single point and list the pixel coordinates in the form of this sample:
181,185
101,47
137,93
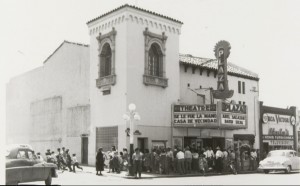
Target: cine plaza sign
220,115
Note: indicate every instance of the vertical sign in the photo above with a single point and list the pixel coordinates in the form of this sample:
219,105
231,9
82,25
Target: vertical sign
222,51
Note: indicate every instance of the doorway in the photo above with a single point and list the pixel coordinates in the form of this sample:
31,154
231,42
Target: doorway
142,144
84,150
218,142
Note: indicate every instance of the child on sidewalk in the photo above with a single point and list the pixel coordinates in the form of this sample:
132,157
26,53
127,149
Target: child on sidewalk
75,163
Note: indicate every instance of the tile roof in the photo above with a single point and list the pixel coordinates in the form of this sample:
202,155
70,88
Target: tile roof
134,7
73,43
213,65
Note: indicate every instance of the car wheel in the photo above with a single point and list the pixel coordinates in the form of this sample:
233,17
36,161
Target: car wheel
266,171
288,169
48,181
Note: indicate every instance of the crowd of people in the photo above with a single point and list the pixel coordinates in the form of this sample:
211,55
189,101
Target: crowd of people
61,158
181,161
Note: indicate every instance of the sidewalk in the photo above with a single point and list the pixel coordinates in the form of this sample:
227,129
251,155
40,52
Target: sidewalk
145,175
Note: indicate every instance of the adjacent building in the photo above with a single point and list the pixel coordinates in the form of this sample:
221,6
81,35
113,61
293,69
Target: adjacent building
77,98
278,128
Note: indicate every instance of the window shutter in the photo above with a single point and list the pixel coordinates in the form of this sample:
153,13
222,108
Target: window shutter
239,86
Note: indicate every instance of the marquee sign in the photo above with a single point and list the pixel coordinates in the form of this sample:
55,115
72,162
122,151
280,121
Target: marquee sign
222,51
234,115
195,115
220,115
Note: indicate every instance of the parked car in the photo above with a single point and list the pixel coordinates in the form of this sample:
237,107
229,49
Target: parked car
23,166
285,160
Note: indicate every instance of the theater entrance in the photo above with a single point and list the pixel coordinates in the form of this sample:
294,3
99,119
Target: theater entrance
199,143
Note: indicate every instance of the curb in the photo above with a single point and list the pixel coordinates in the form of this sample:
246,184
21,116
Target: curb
187,175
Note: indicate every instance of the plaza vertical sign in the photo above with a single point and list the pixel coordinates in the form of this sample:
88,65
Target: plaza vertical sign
222,51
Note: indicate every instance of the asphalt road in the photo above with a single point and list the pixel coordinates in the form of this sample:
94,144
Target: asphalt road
88,177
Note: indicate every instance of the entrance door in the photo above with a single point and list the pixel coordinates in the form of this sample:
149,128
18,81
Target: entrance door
142,144
84,150
218,142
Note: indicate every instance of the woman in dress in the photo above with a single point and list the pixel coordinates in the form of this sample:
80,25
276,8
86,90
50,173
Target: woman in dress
99,162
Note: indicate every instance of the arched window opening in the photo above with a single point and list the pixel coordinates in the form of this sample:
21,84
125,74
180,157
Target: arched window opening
155,60
105,60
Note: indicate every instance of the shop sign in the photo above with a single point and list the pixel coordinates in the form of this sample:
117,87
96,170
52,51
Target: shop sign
277,129
279,142
269,137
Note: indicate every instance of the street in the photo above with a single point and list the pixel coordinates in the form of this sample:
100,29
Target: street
88,177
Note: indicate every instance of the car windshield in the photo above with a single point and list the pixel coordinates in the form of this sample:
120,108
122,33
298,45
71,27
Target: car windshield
276,153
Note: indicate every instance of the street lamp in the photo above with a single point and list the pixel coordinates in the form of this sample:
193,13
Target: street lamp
130,116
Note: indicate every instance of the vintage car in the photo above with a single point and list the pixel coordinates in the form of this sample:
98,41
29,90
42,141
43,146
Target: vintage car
285,160
23,166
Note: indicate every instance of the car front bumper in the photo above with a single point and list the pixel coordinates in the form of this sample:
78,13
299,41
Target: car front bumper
272,167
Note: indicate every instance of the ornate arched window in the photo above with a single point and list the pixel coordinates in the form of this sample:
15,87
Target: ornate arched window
105,60
106,76
155,72
155,58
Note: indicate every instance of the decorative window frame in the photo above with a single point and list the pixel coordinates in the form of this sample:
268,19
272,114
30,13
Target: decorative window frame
160,40
109,38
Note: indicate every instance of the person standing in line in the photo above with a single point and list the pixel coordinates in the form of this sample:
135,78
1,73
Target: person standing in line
137,159
157,161
121,161
75,163
53,158
69,160
152,160
195,160
147,160
163,161
170,158
225,160
48,156
115,162
253,156
219,161
243,155
175,162
237,159
99,162
180,162
125,159
209,154
188,159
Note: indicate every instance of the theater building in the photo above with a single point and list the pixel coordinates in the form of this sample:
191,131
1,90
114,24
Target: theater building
79,95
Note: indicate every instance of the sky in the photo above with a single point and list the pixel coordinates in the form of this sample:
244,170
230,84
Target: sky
264,36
